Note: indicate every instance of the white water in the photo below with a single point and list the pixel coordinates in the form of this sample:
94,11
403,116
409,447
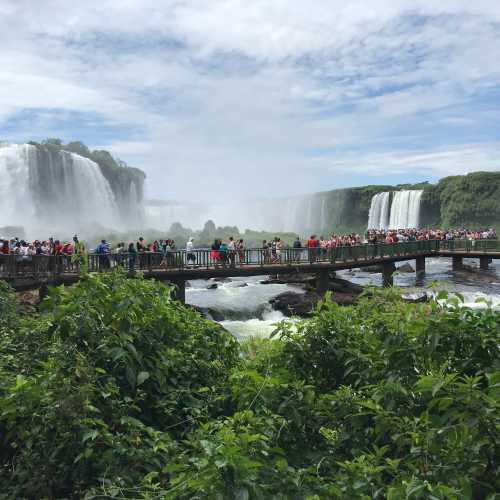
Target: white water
405,209
248,313
324,207
70,194
378,217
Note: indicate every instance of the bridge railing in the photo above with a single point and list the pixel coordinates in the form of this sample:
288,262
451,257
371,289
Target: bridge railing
49,267
42,266
470,245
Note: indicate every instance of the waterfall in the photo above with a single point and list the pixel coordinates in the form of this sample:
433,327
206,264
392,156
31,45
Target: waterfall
53,191
405,209
310,222
379,211
324,203
404,212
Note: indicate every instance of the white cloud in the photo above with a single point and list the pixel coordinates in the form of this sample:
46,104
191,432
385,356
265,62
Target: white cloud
273,92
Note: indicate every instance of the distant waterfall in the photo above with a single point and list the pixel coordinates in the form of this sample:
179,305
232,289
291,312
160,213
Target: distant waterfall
405,209
379,211
324,207
56,191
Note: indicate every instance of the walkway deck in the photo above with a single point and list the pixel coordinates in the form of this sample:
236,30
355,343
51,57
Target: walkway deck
31,272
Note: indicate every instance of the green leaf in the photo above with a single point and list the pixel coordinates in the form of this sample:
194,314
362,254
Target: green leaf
142,377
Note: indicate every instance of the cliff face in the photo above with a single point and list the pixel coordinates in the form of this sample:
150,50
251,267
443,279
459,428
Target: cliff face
471,200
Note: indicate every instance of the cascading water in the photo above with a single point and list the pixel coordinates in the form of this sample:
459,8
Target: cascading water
379,211
404,212
405,209
53,191
324,207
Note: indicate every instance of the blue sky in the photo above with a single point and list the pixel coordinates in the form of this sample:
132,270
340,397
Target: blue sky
227,99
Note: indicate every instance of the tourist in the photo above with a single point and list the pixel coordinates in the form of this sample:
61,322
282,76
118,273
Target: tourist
102,250
312,248
297,249
214,254
132,256
190,255
265,252
223,253
323,247
279,249
231,251
4,247
240,248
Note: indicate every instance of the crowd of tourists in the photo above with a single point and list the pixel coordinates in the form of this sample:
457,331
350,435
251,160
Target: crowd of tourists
164,253
405,235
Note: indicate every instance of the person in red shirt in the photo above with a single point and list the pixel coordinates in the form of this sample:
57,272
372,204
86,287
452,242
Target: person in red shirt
312,248
4,247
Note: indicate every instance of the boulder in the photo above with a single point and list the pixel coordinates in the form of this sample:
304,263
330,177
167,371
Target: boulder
289,279
295,304
212,286
415,298
302,304
208,312
405,268
344,286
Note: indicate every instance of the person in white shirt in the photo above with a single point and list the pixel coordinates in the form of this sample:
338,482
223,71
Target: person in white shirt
190,255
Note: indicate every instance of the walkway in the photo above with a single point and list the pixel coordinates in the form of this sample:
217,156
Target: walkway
32,272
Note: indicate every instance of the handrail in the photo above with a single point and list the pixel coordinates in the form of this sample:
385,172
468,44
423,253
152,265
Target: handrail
50,267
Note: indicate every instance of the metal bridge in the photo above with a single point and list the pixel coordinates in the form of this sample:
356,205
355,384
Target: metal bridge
28,272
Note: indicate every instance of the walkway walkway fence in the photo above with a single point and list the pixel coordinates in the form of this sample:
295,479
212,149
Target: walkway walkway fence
42,266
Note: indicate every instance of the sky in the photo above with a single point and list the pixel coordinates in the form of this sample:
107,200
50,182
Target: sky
229,99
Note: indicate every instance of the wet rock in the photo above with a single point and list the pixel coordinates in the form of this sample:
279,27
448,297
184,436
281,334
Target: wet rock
240,285
290,279
215,314
188,284
212,286
208,312
415,298
405,268
344,286
302,304
222,280
295,304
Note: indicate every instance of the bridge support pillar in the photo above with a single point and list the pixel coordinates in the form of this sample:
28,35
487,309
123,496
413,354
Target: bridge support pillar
322,282
179,290
420,266
484,262
456,263
388,269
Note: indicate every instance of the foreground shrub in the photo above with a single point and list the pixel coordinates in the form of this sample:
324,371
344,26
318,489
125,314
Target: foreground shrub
132,395
128,369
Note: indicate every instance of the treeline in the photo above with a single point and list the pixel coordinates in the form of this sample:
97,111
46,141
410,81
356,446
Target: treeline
203,238
113,390
471,200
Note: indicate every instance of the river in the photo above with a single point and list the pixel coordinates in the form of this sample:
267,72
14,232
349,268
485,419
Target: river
244,302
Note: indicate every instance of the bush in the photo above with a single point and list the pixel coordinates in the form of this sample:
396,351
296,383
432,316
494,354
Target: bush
132,395
128,370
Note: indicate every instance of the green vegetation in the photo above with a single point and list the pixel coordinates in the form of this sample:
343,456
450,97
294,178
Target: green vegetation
471,200
116,391
202,238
